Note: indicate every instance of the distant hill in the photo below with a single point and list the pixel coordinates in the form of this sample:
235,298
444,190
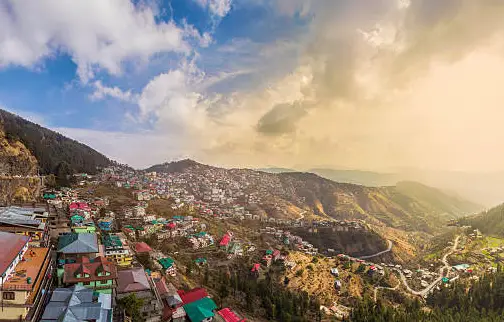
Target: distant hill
175,166
365,178
276,170
407,206
488,222
51,150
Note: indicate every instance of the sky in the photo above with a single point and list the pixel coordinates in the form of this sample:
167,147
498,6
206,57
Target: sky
360,84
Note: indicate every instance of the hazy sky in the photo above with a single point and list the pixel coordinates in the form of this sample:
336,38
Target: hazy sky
372,84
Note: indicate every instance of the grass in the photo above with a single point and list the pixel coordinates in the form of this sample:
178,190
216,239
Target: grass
494,242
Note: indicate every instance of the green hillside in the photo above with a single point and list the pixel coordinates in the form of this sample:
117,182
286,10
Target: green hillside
52,150
489,222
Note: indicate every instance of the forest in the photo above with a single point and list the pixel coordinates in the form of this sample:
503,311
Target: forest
482,300
53,151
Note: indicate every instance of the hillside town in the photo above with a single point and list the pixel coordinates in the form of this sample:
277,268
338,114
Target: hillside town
74,257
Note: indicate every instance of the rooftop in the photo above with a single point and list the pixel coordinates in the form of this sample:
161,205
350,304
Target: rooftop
193,295
132,280
78,304
200,309
78,243
20,216
12,244
142,247
27,270
229,316
93,270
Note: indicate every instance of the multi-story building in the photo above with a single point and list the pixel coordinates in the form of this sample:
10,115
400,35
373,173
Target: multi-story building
26,278
135,281
98,274
73,246
116,250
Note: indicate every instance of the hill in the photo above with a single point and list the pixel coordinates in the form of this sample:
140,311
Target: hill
50,149
365,178
489,222
406,206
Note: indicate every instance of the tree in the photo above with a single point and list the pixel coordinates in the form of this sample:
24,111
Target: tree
63,174
132,305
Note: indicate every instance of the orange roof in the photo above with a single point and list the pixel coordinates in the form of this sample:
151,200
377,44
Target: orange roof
29,267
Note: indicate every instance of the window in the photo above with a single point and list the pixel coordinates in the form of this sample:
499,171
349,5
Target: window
103,282
86,283
8,295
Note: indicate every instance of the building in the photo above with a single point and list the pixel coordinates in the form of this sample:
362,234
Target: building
31,222
26,277
142,248
73,246
227,315
201,310
78,304
135,281
106,224
116,250
168,265
98,274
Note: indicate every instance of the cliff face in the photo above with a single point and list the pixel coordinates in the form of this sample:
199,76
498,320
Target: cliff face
18,170
19,190
15,158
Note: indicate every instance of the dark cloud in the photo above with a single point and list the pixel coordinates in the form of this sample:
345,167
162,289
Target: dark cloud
281,119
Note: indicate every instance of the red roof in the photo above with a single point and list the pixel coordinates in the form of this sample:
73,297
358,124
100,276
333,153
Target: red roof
229,316
142,247
193,295
172,225
276,253
12,244
255,267
225,240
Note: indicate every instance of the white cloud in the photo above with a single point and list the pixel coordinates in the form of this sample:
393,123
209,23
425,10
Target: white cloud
96,34
102,91
219,8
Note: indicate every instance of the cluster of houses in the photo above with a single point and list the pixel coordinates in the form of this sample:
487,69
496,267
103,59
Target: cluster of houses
291,240
86,267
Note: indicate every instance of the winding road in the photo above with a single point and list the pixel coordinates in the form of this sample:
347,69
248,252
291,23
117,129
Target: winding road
384,288
437,280
301,215
389,248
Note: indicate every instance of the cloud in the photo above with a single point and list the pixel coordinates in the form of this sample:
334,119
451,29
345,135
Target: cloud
371,85
98,35
101,92
218,8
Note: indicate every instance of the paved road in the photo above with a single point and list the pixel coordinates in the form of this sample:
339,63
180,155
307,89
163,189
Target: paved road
446,265
389,248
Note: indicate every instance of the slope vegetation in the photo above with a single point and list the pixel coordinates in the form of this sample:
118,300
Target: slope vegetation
489,222
48,147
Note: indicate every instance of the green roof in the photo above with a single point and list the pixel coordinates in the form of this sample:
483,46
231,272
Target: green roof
112,241
269,252
201,309
166,262
201,260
